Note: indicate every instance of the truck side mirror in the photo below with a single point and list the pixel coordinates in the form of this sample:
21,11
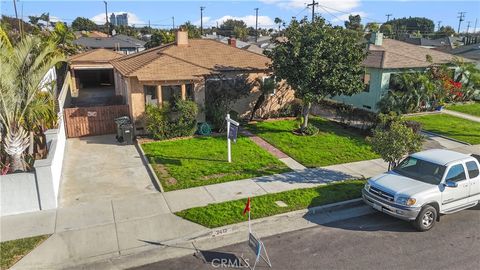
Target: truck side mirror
451,184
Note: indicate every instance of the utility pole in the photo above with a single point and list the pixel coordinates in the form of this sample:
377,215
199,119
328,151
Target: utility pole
201,20
461,18
313,4
475,27
256,25
438,25
468,26
388,16
16,16
106,18
173,23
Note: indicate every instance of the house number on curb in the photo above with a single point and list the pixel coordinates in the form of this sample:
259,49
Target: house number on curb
220,232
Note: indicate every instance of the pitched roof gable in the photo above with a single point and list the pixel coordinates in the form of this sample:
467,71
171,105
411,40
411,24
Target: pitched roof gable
95,56
398,54
201,57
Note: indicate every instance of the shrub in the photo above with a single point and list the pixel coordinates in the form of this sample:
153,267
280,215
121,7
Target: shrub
414,125
310,130
293,108
170,121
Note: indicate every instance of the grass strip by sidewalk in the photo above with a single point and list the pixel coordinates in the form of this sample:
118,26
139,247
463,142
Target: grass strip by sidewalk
12,251
472,109
451,126
221,214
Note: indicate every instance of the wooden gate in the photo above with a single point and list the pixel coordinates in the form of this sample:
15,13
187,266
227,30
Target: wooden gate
89,121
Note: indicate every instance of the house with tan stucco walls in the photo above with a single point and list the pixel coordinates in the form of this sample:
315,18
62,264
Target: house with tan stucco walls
184,68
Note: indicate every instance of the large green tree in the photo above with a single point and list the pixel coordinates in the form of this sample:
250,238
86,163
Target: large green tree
354,23
318,60
160,37
84,24
236,28
411,25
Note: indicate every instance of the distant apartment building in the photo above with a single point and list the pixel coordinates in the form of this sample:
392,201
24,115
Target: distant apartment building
119,19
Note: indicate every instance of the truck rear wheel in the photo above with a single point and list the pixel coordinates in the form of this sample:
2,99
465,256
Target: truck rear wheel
426,218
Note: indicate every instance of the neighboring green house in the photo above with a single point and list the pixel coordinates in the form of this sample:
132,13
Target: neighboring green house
387,57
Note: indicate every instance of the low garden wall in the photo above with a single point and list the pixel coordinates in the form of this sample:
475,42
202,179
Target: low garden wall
36,190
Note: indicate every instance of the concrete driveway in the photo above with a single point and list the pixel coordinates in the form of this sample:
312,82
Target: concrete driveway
98,168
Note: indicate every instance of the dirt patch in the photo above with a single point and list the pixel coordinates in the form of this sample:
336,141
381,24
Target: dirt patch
163,174
217,175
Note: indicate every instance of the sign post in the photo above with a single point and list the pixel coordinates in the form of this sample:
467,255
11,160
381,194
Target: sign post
232,130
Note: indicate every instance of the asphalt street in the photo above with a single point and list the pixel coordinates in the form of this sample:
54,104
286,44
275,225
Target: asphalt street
375,241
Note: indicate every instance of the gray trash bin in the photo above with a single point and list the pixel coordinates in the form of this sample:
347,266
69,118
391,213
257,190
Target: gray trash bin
121,121
127,133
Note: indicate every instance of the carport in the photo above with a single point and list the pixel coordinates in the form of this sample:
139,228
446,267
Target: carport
93,81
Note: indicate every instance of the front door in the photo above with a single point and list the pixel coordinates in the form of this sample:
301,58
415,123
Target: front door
454,197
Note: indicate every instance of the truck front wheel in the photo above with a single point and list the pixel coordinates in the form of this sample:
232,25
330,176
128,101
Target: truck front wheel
426,218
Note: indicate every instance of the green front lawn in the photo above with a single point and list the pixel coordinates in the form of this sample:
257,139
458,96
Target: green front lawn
221,214
472,109
334,144
451,126
12,251
202,161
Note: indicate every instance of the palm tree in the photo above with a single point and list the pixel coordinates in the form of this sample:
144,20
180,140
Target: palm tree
279,22
64,38
23,69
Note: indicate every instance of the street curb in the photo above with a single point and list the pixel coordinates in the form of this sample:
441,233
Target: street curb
150,170
234,234
445,137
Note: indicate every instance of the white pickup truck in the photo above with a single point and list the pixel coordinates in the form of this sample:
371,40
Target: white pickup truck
425,185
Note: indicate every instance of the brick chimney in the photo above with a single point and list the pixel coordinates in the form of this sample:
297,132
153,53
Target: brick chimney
181,38
232,42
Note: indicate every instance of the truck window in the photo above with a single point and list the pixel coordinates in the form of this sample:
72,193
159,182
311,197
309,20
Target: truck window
421,170
456,173
472,169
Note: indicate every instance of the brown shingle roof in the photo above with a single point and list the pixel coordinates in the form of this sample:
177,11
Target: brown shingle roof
398,54
201,57
100,56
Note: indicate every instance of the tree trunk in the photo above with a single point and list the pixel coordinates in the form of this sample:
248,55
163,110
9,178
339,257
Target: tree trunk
305,113
17,163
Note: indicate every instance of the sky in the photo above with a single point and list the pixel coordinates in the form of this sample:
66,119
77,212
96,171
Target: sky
159,13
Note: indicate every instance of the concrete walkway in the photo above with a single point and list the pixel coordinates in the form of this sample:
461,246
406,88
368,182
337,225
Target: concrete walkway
98,168
290,162
462,115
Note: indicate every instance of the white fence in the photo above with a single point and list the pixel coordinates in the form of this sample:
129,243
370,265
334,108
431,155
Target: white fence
38,190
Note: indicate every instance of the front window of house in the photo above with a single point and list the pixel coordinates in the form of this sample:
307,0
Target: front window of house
270,80
170,93
150,93
366,81
190,91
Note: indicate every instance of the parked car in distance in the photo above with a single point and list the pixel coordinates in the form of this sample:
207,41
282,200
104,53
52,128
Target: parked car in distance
425,185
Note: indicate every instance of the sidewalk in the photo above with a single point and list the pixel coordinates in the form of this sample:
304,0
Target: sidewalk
104,229
462,115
